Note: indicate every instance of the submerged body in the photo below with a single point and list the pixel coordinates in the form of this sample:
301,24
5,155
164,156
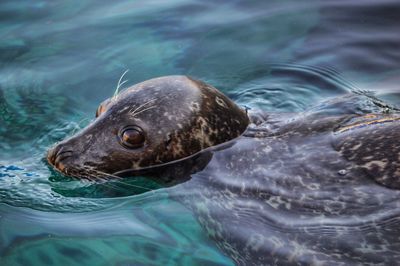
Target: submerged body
319,187
304,194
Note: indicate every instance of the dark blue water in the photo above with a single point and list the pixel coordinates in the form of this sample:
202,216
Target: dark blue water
60,59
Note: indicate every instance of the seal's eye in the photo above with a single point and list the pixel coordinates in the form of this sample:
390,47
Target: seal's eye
132,137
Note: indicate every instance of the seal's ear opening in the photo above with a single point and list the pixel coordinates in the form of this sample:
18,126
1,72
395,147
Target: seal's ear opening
102,107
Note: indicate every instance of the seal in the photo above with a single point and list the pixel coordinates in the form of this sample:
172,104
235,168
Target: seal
320,187
152,123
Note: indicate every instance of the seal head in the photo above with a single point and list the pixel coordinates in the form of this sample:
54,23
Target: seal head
152,123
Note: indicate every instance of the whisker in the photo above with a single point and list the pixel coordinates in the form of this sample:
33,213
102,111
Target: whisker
127,184
118,179
93,172
89,178
108,185
119,84
141,111
105,175
122,83
141,106
78,125
153,101
84,178
93,178
82,120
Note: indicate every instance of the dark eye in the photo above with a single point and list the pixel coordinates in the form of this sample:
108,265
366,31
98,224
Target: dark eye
132,137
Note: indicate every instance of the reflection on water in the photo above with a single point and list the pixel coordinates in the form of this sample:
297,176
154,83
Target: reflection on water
59,60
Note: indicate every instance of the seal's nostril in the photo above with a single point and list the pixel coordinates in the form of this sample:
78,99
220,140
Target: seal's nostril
62,156
57,154
60,151
63,151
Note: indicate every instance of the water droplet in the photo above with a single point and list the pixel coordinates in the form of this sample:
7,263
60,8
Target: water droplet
342,172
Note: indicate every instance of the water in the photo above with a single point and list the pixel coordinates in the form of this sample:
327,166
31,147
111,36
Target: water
59,60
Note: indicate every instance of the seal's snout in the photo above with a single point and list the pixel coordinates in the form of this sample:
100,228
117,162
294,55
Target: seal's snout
57,155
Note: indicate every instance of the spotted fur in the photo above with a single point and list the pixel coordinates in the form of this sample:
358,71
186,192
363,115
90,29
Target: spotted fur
372,144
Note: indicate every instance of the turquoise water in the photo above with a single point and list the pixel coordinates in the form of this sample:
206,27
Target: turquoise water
60,59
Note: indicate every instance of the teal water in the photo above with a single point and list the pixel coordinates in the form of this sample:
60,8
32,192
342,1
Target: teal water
60,59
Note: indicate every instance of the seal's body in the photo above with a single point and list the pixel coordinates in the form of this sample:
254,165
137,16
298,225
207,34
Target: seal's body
311,190
320,187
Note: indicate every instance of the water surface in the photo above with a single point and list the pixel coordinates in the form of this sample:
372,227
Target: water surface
60,59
